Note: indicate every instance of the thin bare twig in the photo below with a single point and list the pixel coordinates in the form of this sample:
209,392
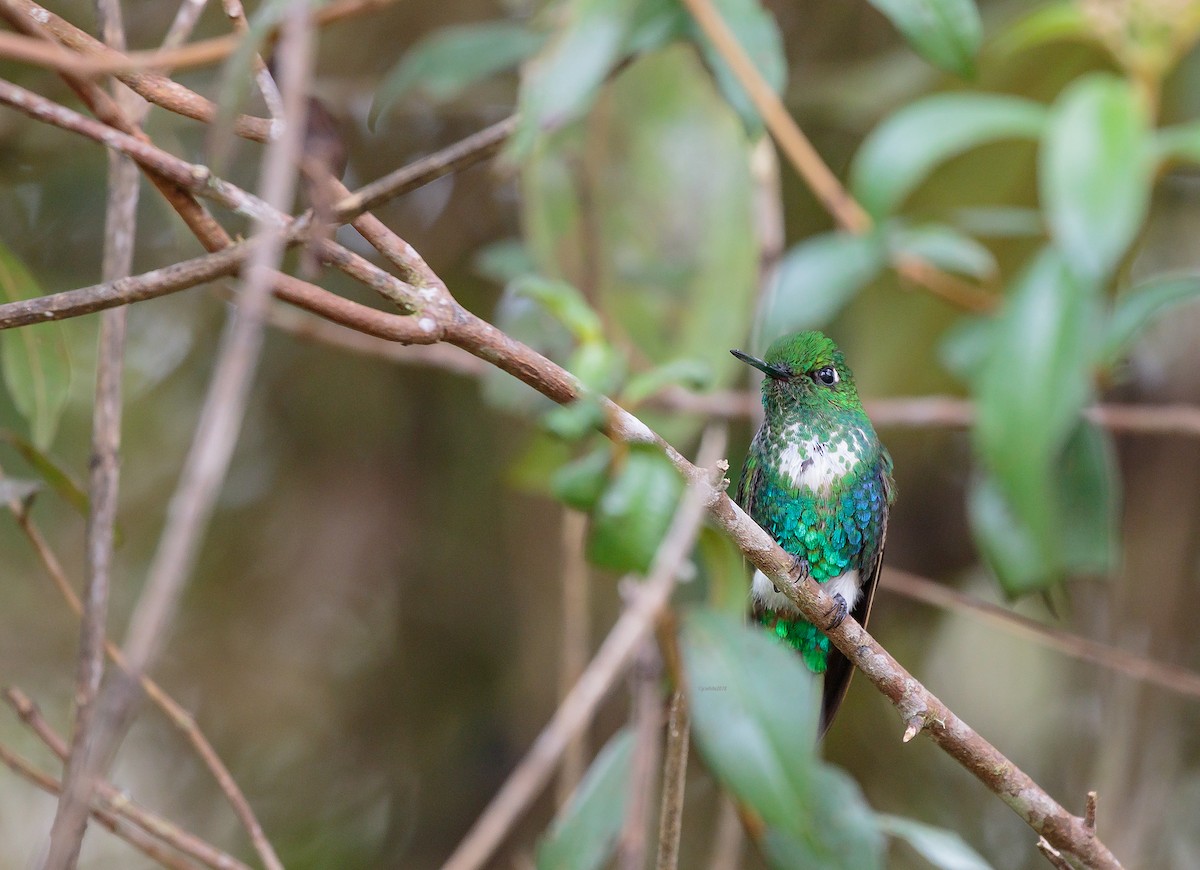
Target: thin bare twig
670,818
1166,676
216,434
1089,811
1052,855
615,654
576,617
116,802
104,478
131,835
646,716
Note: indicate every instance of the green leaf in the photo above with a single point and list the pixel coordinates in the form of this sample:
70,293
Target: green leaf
1005,541
897,156
944,247
1089,500
564,302
633,513
580,483
1053,22
1138,307
758,34
693,373
577,420
816,279
966,346
754,715
944,849
37,369
560,84
1178,143
947,33
451,60
50,471
584,833
1094,172
1000,222
1035,382
504,261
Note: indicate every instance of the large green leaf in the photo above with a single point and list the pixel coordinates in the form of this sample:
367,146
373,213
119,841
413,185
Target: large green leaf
37,369
754,716
1020,561
944,849
942,246
1094,172
560,84
816,279
1052,22
1138,307
758,34
1035,381
898,155
946,33
1178,143
1088,500
446,63
632,514
584,833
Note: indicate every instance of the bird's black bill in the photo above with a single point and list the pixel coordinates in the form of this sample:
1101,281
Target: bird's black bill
769,370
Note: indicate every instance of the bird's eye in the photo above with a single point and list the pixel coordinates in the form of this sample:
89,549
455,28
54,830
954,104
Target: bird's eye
827,376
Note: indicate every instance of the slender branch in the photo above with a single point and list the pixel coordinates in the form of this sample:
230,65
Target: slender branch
646,720
1166,676
131,835
615,654
120,226
180,718
670,819
116,802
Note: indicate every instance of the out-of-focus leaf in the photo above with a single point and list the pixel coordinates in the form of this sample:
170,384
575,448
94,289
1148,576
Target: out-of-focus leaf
966,346
18,490
944,849
754,714
534,469
1000,222
758,34
816,279
580,483
944,247
899,153
633,513
584,833
576,420
451,60
504,261
693,373
565,303
598,366
37,369
656,23
560,84
1138,307
1034,384
946,33
54,475
1094,172
1181,142
1053,22
724,567
1088,500
1006,541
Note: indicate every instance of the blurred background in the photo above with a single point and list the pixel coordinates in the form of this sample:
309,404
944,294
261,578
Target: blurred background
373,634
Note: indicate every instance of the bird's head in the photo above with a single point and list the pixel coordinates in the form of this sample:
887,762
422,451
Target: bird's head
804,370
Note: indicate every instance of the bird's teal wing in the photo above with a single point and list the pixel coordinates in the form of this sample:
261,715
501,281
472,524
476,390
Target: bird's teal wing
839,670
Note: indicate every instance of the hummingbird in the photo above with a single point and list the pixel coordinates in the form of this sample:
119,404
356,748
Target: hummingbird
819,481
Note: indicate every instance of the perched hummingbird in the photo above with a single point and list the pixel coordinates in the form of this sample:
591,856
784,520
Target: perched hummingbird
819,481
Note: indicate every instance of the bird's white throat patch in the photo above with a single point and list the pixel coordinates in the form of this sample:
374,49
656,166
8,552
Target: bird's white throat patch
764,592
816,463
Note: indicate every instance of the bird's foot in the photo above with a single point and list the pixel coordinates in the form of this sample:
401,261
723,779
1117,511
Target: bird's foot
799,569
837,613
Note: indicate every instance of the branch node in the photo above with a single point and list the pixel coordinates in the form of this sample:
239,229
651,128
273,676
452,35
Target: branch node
1089,812
1054,856
915,725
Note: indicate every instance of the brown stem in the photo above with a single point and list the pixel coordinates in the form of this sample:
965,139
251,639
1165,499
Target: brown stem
670,819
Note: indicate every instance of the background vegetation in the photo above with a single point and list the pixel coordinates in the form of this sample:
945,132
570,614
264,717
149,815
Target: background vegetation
393,589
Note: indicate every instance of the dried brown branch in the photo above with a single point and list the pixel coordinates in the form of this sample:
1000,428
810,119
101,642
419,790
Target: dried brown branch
134,836
117,803
1170,677
670,819
646,721
120,226
615,654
